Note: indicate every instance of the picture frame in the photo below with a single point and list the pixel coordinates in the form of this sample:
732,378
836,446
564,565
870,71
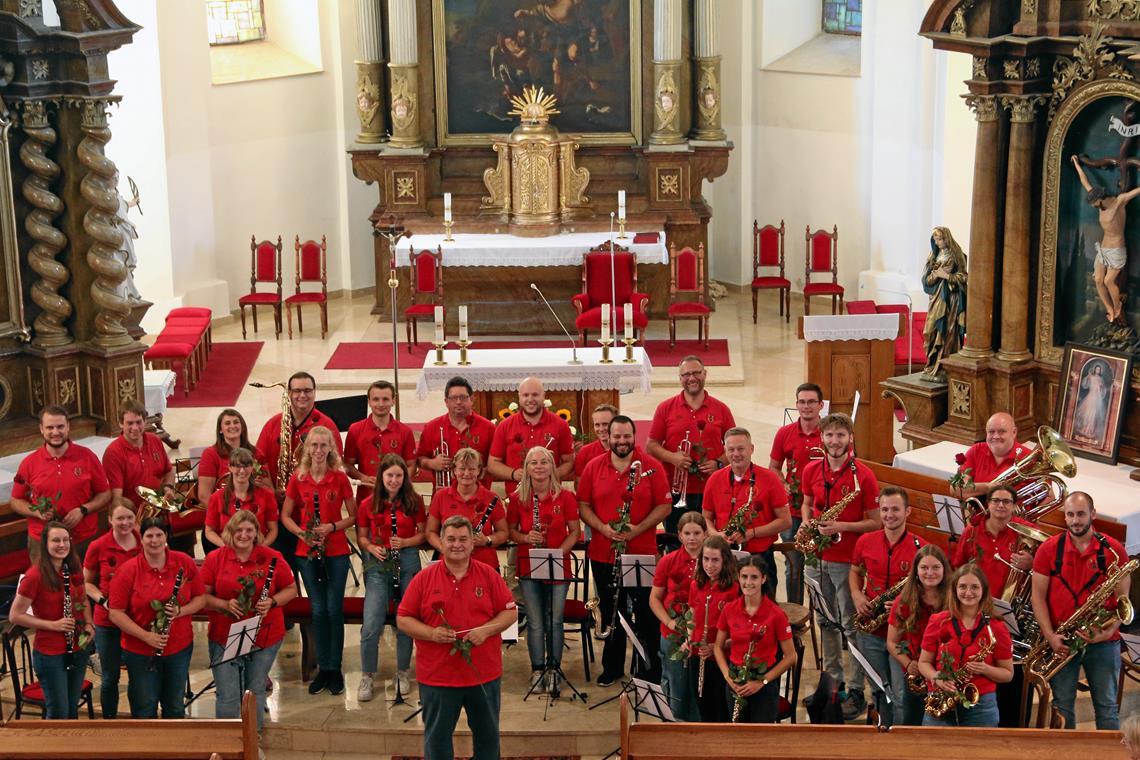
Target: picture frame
1092,394
485,53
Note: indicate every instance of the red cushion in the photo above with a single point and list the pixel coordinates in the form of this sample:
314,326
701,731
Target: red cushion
823,289
574,611
354,606
769,253
311,256
784,707
190,311
259,298
421,310
599,287
861,307
771,282
643,238
187,322
178,336
266,262
424,263
306,298
13,563
591,319
820,252
193,520
891,308
169,351
687,269
35,693
686,308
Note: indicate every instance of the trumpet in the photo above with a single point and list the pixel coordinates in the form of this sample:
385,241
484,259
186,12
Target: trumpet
681,475
1042,490
443,477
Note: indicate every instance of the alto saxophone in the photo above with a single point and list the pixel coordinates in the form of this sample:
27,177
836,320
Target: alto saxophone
940,702
809,540
880,609
285,459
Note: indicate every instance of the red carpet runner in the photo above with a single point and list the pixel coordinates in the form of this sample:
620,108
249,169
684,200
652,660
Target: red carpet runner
226,373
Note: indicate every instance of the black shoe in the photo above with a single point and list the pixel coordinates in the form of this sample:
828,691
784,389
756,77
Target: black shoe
607,679
854,705
336,682
320,682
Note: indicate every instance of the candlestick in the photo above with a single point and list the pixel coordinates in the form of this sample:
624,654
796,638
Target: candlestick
447,225
439,344
605,321
462,323
463,344
439,324
628,314
628,351
621,230
606,343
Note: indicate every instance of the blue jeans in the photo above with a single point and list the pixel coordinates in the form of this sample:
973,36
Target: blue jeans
794,563
544,599
441,705
327,599
982,715
874,648
166,685
675,677
232,678
909,707
110,665
832,579
377,596
62,687
1102,669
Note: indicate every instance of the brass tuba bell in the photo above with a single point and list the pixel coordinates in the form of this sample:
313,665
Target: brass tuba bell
1042,491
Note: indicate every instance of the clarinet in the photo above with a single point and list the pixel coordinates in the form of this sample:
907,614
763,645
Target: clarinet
396,559
536,519
701,665
68,612
152,665
268,581
486,515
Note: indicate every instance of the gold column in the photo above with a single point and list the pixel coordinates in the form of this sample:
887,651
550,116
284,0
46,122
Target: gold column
666,104
985,219
405,106
368,79
708,99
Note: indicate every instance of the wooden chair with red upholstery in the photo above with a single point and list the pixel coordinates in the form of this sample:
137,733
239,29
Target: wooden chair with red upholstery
265,268
768,252
598,288
822,256
427,289
687,291
310,259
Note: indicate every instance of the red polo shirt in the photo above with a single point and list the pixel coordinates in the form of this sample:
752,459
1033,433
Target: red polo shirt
586,454
214,464
946,634
985,467
48,605
705,425
793,447
767,628
477,435
261,501
675,575
717,599
76,477
269,442
884,563
334,490
127,466
515,436
725,495
553,514
913,634
137,584
378,525
1080,572
221,572
827,487
435,595
104,558
365,444
448,502
976,544
604,489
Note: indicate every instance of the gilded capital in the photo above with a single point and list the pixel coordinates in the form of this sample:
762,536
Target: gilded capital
1022,109
985,107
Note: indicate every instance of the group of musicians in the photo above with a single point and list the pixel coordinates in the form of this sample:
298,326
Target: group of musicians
708,625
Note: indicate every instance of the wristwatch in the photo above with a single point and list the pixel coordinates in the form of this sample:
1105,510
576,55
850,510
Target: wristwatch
83,508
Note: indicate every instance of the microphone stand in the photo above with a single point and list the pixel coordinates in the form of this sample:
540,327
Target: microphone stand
573,345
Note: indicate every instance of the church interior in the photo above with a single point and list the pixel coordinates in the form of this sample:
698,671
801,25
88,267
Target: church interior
201,198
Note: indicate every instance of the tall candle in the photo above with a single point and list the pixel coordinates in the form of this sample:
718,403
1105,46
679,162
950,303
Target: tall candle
462,323
605,321
447,207
621,205
628,314
439,324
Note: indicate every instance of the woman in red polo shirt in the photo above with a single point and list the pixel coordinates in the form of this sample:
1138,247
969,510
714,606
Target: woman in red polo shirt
168,580
39,605
316,502
239,491
761,647
468,498
669,601
235,579
231,433
541,494
713,588
924,594
389,530
954,640
104,557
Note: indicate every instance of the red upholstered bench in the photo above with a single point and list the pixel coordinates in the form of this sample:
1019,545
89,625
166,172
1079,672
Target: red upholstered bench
175,356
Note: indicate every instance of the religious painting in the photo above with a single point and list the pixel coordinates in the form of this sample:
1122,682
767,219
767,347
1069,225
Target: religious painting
587,53
1094,390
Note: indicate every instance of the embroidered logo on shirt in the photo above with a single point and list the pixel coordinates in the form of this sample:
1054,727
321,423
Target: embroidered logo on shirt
478,592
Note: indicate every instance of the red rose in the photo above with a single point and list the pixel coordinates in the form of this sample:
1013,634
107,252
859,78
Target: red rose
518,438
945,636
627,497
678,608
960,459
700,424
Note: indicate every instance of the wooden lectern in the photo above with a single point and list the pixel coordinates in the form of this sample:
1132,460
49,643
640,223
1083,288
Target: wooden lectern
851,353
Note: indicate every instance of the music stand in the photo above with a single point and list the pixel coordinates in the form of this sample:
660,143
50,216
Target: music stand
549,566
874,675
949,514
649,699
816,594
240,641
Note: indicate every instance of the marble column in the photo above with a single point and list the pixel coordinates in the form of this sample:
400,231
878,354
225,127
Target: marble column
984,220
404,70
667,19
369,72
706,76
1015,316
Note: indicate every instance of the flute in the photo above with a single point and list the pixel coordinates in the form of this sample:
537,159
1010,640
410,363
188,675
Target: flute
396,557
68,612
701,666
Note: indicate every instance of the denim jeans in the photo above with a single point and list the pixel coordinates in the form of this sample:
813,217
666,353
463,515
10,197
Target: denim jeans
675,675
793,563
982,715
62,687
107,639
441,705
231,679
377,596
909,707
832,579
874,648
1102,669
544,602
146,689
327,599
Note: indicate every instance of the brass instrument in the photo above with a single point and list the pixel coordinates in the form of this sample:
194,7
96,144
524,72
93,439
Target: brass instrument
154,503
808,540
1089,618
939,702
916,684
286,462
1044,491
443,477
167,621
880,610
681,475
701,665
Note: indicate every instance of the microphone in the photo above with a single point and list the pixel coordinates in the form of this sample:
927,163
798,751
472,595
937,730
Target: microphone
573,345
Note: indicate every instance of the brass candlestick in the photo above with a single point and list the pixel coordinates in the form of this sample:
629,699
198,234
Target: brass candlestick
447,226
463,344
606,350
439,362
628,350
621,229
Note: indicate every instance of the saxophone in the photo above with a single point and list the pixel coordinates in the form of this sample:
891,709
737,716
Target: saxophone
938,703
809,540
880,610
1090,617
285,460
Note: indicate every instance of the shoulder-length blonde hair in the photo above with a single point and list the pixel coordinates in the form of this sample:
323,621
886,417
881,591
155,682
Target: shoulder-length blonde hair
238,519
526,487
334,460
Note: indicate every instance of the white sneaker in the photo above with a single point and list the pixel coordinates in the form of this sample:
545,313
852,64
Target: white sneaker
364,690
403,682
536,680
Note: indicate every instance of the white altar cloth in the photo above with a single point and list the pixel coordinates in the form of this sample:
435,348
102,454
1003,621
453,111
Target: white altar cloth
851,327
475,250
504,369
158,385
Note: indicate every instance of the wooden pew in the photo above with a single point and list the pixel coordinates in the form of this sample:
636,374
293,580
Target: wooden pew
652,740
188,739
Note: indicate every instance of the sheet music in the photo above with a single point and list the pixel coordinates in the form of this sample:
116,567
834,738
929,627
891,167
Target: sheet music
870,671
741,556
547,565
512,633
632,637
949,514
820,602
649,698
637,570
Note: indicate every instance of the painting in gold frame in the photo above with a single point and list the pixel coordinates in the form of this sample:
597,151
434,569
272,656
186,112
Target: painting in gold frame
1093,393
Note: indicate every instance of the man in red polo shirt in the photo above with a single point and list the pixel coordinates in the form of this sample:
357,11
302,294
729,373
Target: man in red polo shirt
455,610
600,419
744,489
460,428
603,495
532,426
1067,569
997,453
374,436
69,476
792,445
882,558
697,416
825,482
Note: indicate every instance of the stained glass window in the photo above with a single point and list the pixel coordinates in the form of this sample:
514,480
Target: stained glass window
234,21
843,16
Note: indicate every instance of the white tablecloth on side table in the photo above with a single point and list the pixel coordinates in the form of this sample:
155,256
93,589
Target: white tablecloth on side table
158,385
472,250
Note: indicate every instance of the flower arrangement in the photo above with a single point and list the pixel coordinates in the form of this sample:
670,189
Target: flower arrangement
682,616
45,505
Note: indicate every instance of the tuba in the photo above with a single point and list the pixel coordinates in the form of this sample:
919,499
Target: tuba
285,459
1042,490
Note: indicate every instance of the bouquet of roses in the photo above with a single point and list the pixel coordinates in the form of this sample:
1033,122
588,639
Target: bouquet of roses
621,523
247,597
45,506
678,638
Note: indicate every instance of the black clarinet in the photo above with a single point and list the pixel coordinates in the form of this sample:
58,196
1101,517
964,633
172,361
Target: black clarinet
317,551
152,664
486,516
267,588
396,556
